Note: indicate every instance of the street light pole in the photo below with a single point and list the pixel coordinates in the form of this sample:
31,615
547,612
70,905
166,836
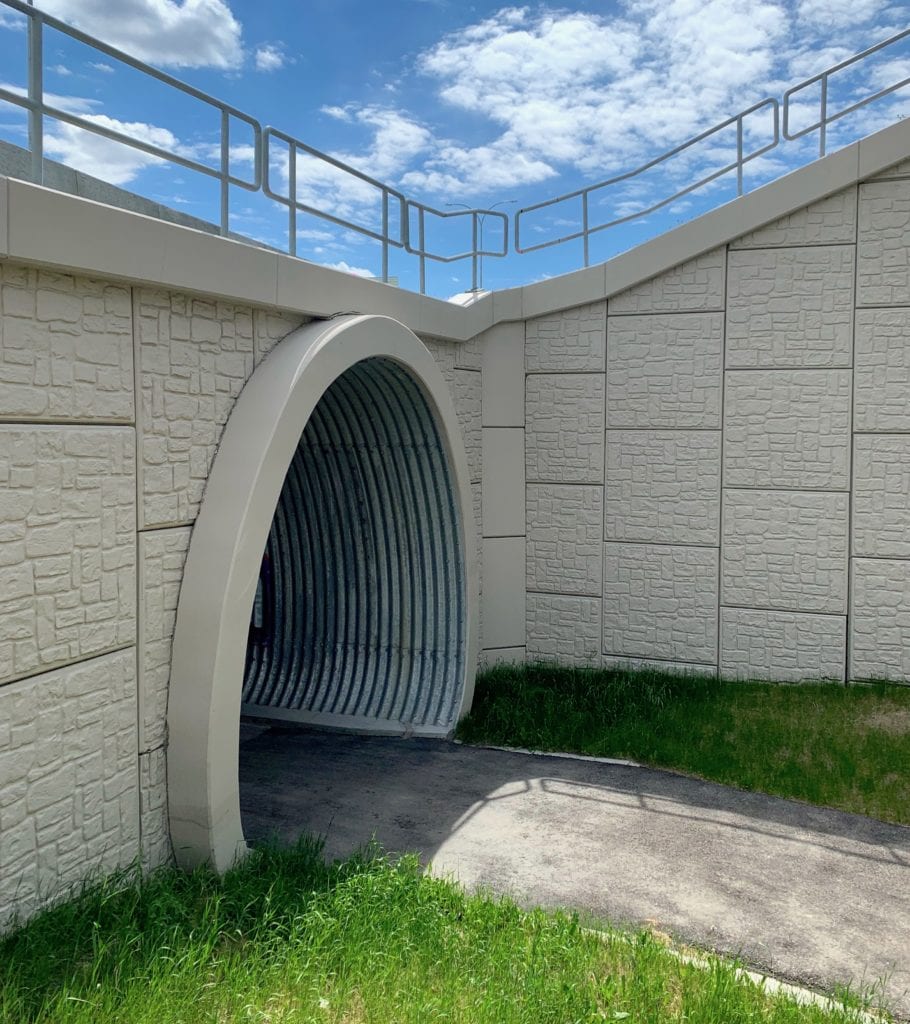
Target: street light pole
477,280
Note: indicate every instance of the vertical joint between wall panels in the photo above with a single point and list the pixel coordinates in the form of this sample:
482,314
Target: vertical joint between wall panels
137,399
603,517
848,621
723,410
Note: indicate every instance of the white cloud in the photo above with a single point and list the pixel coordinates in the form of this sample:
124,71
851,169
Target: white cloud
831,14
270,57
71,104
177,33
103,158
347,269
11,20
98,65
338,113
60,69
573,91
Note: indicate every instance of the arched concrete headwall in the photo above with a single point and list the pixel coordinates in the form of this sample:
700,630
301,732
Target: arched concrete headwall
694,454
270,420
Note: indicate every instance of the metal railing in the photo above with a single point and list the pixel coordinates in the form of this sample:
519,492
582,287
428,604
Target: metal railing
38,108
584,194
825,116
264,140
282,165
743,157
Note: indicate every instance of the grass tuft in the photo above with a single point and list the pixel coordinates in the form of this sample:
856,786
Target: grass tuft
840,746
285,937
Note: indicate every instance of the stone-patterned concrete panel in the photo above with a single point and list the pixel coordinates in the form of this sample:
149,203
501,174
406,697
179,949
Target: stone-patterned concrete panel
880,619
790,307
469,354
827,222
162,554
787,428
881,378
696,285
67,544
665,371
565,538
270,326
564,629
455,355
663,486
785,550
444,353
467,392
785,646
156,837
883,250
571,340
69,802
660,601
194,358
620,661
565,428
881,495
466,388
66,347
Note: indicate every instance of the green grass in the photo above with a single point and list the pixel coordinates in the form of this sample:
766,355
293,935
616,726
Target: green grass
286,938
841,746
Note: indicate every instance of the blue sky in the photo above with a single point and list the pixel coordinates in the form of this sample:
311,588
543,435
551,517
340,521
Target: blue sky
452,103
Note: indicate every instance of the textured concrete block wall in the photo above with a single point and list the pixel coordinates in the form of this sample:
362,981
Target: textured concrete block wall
718,467
112,404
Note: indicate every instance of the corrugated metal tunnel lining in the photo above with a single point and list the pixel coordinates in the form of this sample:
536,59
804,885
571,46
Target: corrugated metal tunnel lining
360,616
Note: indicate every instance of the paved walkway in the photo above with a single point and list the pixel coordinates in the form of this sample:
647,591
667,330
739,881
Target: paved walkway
808,894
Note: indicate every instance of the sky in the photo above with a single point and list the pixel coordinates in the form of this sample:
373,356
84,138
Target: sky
454,105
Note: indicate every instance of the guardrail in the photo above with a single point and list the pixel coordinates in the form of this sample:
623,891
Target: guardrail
823,78
34,100
743,157
277,158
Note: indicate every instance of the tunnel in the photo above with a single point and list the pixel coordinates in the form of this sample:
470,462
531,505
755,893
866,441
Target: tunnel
331,576
359,614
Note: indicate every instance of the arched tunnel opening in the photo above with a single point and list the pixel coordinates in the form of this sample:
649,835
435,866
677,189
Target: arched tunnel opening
360,619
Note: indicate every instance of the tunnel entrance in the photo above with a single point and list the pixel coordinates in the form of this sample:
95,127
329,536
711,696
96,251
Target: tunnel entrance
331,577
359,616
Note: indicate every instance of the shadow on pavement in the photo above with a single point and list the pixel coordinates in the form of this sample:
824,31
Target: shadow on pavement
809,893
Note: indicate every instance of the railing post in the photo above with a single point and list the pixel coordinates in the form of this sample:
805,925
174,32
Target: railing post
739,155
473,252
584,225
421,245
823,126
292,197
385,236
225,171
36,95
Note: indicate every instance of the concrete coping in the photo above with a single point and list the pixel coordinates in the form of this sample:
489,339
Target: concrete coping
55,229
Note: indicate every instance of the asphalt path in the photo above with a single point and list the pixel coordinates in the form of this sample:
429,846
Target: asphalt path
808,894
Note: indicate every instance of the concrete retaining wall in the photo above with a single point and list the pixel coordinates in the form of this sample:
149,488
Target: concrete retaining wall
112,400
707,467
717,460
